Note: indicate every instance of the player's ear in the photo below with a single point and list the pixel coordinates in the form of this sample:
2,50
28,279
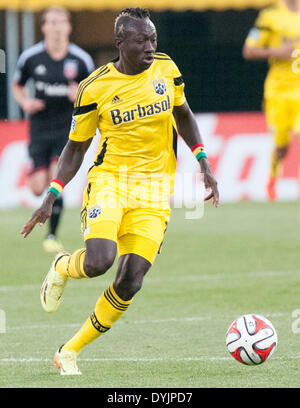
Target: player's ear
118,41
43,28
70,29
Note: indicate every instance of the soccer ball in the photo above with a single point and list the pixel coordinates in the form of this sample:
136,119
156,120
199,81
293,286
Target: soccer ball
251,339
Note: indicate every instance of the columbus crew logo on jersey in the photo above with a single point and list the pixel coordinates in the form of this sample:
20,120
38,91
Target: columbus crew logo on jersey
94,212
159,86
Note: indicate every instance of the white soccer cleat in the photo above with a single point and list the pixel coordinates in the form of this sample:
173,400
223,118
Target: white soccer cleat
52,244
65,361
53,287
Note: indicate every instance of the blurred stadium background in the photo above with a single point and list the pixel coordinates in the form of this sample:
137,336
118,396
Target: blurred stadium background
205,39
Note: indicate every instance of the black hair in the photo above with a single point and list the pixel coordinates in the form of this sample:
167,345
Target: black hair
126,15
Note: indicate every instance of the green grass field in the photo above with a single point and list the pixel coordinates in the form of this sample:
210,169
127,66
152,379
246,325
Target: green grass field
239,258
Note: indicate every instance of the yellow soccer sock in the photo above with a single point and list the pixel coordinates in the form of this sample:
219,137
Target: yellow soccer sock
72,265
109,308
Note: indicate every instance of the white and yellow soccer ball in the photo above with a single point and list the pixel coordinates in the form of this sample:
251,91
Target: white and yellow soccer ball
251,339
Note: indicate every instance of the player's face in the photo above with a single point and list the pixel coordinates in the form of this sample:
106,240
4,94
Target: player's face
139,45
56,26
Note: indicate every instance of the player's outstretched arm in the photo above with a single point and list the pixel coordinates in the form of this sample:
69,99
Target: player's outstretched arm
188,130
68,165
284,52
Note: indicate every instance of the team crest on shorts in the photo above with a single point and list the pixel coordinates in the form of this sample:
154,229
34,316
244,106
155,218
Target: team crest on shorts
159,86
94,212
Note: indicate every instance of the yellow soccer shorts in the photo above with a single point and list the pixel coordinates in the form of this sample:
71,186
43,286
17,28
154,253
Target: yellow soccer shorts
283,118
123,214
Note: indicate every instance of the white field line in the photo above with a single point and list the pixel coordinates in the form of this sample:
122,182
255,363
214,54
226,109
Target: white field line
77,325
134,359
148,279
152,321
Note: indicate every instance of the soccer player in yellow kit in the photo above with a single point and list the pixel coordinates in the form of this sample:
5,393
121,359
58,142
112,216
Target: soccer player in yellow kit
137,102
276,37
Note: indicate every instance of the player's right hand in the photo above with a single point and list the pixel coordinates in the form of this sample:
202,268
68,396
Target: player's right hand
285,51
33,105
39,216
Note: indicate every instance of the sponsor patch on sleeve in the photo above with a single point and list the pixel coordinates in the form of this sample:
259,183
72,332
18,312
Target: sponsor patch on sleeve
254,34
73,124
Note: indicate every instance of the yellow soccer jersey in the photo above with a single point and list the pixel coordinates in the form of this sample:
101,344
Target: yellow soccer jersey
134,116
273,27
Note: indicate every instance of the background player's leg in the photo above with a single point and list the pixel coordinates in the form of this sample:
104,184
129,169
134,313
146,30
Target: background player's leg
52,243
297,134
280,122
37,181
296,130
56,213
278,154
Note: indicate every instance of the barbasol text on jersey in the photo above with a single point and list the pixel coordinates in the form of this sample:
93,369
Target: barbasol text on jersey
139,112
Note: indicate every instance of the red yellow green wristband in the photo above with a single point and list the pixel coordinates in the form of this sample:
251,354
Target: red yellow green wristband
199,151
56,187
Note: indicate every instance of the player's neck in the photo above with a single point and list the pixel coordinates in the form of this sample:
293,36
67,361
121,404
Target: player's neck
57,49
126,69
293,5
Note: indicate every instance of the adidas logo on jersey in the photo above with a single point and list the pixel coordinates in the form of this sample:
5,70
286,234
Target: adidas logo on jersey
116,99
40,70
139,112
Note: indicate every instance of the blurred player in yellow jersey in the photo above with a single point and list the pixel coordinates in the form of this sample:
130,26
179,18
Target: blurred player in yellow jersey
137,102
276,37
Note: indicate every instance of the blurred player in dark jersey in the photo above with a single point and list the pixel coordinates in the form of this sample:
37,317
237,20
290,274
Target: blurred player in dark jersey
56,66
